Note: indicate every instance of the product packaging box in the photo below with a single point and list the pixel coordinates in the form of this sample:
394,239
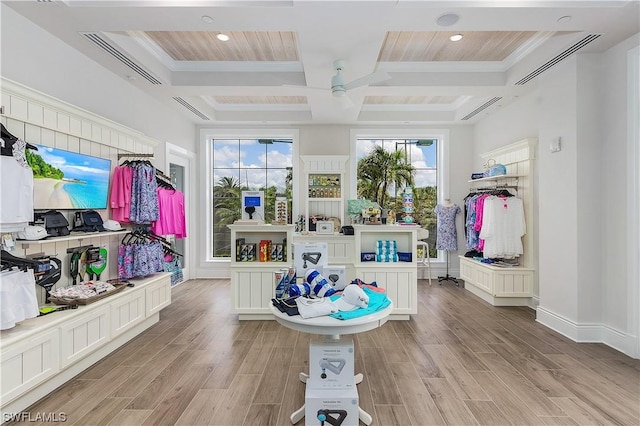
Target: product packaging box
331,364
336,274
264,251
280,283
309,256
331,407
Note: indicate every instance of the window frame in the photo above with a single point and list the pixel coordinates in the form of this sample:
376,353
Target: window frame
207,138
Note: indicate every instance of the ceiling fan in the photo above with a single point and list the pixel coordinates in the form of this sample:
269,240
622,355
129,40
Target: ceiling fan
339,87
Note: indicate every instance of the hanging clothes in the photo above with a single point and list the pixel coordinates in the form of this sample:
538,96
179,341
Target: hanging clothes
144,196
171,214
503,227
133,196
120,195
446,237
16,197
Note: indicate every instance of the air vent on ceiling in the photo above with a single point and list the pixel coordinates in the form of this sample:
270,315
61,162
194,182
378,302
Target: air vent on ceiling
481,108
564,55
190,107
103,44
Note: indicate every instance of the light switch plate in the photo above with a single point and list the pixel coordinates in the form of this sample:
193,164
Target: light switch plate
555,145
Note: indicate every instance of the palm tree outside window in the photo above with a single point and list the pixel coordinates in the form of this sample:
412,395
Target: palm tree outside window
385,167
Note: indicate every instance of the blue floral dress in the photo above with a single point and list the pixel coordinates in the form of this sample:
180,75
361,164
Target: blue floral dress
446,237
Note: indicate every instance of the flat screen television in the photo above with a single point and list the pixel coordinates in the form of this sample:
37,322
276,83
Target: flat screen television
65,180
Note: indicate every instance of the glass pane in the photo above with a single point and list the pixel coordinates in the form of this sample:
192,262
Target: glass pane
279,155
253,179
252,154
226,153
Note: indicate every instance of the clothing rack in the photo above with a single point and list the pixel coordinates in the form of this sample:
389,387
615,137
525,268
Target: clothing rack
134,156
493,188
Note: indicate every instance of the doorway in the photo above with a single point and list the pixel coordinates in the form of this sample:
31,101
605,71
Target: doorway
181,171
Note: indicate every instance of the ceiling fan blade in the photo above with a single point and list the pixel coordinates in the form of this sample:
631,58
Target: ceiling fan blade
372,78
344,101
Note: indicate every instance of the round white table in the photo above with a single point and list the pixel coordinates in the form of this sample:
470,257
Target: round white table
332,327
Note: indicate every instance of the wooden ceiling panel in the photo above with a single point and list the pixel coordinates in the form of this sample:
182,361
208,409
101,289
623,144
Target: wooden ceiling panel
434,46
242,45
269,100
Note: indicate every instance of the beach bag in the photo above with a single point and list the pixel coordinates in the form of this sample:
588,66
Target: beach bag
491,168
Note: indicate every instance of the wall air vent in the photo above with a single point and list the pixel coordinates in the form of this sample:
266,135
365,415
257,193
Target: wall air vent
103,44
564,55
481,108
190,107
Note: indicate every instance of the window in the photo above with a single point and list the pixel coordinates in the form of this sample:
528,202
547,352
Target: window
385,166
246,164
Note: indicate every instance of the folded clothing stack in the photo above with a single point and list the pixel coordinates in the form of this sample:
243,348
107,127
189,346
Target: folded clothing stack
386,251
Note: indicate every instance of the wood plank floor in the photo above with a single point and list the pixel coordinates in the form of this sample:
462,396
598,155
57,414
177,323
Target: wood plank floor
459,361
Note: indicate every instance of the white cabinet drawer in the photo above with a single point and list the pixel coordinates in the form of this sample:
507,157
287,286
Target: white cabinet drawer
83,335
26,364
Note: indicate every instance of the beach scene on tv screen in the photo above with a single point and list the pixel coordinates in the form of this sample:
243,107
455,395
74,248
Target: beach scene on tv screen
68,180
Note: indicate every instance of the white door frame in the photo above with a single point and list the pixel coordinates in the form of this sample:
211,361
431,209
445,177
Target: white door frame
633,219
177,155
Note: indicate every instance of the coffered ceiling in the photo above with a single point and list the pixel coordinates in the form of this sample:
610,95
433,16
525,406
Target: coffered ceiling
278,63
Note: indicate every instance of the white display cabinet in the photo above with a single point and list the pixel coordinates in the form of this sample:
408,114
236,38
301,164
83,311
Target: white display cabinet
252,282
324,191
507,286
497,285
400,279
40,354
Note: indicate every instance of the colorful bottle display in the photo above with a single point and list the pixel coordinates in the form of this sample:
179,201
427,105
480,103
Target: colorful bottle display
407,205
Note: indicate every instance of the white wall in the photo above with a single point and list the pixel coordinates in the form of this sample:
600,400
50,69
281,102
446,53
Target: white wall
617,287
584,290
557,194
37,59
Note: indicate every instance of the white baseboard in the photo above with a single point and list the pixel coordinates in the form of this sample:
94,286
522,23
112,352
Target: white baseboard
589,333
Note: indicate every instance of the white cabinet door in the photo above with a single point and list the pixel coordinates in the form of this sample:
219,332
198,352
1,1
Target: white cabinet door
84,335
158,295
127,311
26,364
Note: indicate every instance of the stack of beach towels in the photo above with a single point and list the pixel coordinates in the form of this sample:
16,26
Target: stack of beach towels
386,251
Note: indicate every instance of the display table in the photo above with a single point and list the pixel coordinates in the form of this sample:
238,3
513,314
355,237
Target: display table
332,328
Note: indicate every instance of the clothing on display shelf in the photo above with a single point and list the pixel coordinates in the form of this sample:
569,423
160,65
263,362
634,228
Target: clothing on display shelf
447,236
17,297
16,199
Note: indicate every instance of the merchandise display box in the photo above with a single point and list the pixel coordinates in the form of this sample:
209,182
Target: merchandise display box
336,274
331,407
331,364
309,256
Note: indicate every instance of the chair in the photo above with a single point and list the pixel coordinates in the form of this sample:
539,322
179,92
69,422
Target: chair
424,260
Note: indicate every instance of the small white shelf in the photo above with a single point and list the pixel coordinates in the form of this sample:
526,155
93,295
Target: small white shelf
494,178
78,236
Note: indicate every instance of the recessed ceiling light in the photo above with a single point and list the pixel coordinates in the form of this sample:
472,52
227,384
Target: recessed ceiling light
564,19
447,19
456,37
222,37
207,19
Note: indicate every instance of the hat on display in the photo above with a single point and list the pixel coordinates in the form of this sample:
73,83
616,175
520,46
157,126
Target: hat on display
353,297
112,225
32,232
